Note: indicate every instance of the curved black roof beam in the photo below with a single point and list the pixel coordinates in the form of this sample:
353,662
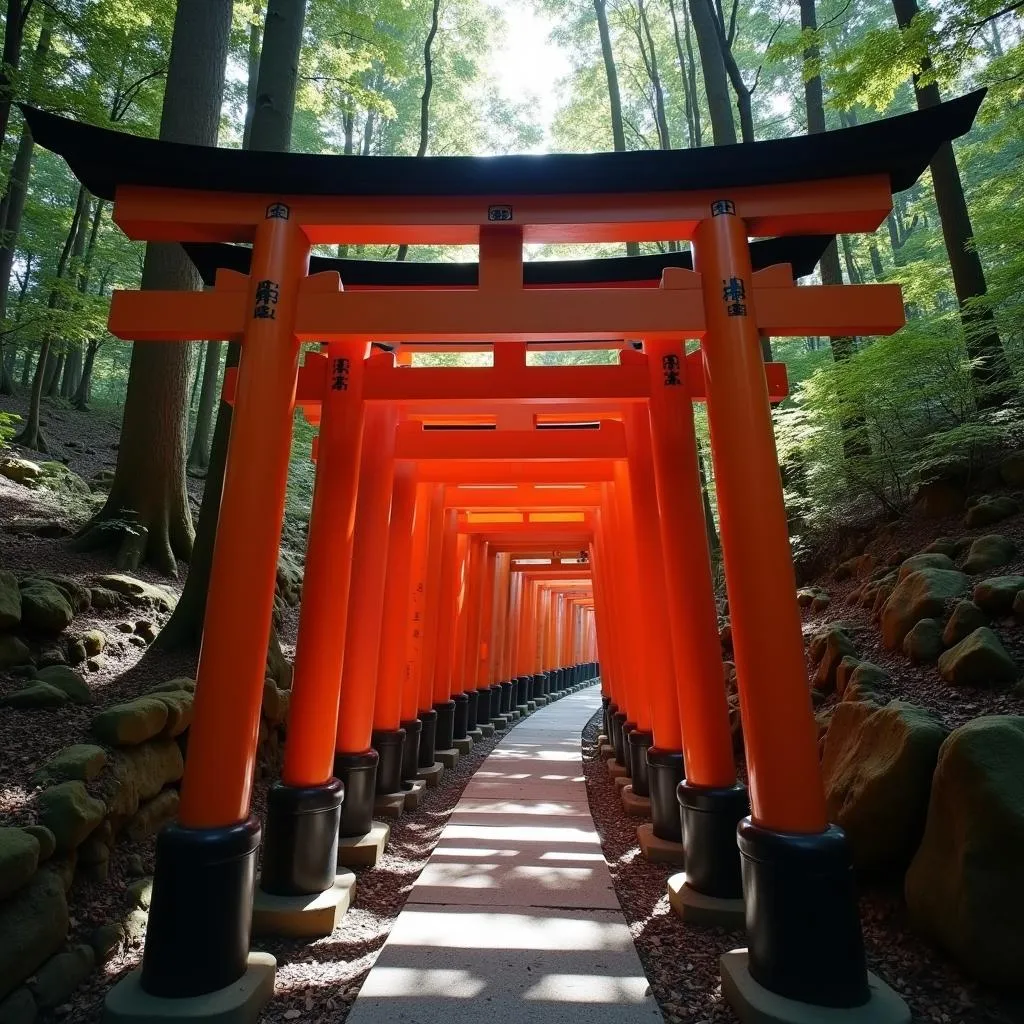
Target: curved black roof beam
900,147
802,251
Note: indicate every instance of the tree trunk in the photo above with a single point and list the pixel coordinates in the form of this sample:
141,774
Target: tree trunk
199,455
686,70
72,372
146,514
428,88
26,368
184,629
650,58
83,393
614,96
14,31
254,71
716,82
990,372
743,93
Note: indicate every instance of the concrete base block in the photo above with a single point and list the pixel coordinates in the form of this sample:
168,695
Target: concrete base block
754,1004
432,775
303,917
540,701
389,805
615,770
241,1003
531,705
475,735
603,741
621,782
487,729
499,724
414,793
364,851
449,758
509,717
464,746
605,750
698,908
658,851
515,714
635,806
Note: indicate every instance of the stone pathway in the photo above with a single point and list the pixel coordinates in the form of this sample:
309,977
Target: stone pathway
514,917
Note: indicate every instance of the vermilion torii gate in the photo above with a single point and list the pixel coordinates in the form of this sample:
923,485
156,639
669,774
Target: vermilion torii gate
804,935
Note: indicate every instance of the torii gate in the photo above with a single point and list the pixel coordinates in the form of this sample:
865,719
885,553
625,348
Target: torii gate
804,934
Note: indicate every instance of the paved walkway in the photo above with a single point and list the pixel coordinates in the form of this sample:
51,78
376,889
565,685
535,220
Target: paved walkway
514,918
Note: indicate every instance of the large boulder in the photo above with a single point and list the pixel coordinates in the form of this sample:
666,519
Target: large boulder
58,978
944,546
18,1008
996,595
153,815
140,773
70,813
77,594
978,660
10,600
837,647
44,608
138,593
81,761
989,510
69,681
13,652
866,683
877,772
992,551
925,560
33,925
36,695
57,477
133,722
923,644
21,471
966,618
965,886
921,595
19,858
179,711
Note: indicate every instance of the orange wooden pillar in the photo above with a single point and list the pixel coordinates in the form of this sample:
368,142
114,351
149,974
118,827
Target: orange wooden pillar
431,601
303,812
475,609
199,925
711,801
445,627
658,781
389,736
797,878
415,602
355,761
460,632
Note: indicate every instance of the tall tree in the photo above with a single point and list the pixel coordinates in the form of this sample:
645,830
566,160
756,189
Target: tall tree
199,453
17,15
146,516
990,371
428,88
716,81
271,131
688,73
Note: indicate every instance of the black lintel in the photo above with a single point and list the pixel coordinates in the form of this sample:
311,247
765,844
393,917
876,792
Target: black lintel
901,147
802,251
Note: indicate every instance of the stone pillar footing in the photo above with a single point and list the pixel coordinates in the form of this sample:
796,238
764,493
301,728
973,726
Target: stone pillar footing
616,770
364,851
300,917
754,1004
432,775
464,746
635,806
238,1003
389,805
414,792
697,908
658,851
449,758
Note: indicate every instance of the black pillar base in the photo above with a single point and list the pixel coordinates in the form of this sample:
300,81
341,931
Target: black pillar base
300,851
506,697
472,704
664,773
546,692
618,740
200,915
428,738
537,686
627,728
709,817
639,743
358,773
460,723
495,699
389,744
803,923
411,750
522,690
483,706
606,729
445,735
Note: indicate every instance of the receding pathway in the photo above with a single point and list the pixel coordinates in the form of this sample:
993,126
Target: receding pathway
514,917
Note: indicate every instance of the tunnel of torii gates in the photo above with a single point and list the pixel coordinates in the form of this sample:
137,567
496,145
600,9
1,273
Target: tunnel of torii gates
439,492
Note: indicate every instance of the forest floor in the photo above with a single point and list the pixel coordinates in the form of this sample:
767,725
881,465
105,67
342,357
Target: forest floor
317,982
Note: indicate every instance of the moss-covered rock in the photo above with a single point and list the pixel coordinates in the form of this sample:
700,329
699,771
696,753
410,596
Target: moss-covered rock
19,858
141,773
36,695
68,680
45,838
138,593
965,886
13,652
877,771
978,660
131,723
925,560
10,600
58,978
81,761
992,551
33,926
921,595
866,683
923,644
153,815
44,608
996,595
966,618
21,471
77,594
988,510
179,711
70,813
94,641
